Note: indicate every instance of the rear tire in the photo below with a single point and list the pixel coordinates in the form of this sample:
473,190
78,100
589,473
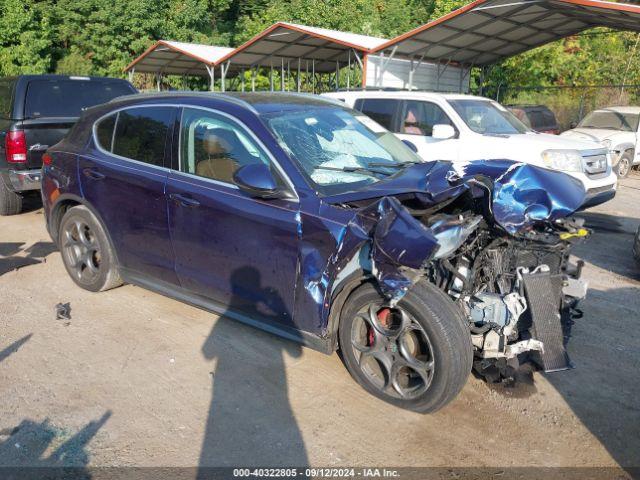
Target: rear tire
10,201
623,167
416,356
86,252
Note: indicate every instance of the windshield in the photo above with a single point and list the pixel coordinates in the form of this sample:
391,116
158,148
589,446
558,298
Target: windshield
67,98
487,117
610,120
339,150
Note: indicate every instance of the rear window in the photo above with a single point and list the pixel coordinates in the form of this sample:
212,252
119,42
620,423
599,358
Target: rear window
141,133
382,110
67,98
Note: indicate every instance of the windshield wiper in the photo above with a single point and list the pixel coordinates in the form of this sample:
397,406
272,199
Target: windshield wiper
364,170
393,165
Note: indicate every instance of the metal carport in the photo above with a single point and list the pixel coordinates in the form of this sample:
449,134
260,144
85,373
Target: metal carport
178,58
488,31
300,50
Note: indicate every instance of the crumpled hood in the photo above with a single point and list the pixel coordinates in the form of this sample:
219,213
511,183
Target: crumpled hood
522,194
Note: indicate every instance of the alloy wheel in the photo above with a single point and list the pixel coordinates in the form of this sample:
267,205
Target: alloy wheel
623,167
393,351
82,251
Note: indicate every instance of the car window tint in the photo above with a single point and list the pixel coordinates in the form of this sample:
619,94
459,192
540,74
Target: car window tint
420,117
537,119
214,146
141,133
67,98
104,132
549,118
381,110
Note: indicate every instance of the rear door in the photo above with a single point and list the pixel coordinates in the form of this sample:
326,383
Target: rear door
52,106
123,176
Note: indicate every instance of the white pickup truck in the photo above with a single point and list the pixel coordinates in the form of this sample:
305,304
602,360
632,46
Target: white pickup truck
617,129
463,127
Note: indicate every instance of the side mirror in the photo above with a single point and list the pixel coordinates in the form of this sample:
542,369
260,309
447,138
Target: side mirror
573,125
257,180
410,145
443,132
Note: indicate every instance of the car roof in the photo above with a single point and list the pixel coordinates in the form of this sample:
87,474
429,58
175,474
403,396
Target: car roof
619,109
51,76
258,102
404,94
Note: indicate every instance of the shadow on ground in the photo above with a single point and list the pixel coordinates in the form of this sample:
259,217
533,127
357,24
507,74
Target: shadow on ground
610,247
250,421
13,257
32,447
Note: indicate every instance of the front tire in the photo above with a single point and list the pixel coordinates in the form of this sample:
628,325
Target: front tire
623,167
10,201
416,355
86,252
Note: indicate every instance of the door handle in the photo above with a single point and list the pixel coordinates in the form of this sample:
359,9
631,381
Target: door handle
184,201
93,174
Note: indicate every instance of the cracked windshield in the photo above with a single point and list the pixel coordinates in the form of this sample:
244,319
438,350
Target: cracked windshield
338,150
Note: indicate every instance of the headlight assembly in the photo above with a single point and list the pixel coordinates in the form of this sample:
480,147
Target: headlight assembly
565,160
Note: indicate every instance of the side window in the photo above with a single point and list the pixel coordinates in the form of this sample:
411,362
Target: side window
141,133
214,146
382,110
419,118
104,132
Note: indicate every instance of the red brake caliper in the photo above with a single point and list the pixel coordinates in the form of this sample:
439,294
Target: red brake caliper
383,318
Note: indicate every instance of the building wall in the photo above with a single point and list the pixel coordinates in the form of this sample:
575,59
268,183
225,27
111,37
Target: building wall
425,76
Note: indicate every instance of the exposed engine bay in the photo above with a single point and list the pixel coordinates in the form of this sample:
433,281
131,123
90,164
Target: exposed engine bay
518,292
496,237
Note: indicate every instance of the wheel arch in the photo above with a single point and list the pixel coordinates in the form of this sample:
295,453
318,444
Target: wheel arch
338,300
62,205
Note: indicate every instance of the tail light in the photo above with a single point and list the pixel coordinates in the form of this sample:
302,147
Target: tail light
47,159
16,147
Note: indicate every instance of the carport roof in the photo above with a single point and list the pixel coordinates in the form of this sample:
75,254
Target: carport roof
487,31
290,42
178,58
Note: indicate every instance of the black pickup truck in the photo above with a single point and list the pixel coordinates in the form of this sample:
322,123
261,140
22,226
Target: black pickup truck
36,111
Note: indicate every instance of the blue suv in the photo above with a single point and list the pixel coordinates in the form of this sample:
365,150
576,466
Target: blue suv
300,216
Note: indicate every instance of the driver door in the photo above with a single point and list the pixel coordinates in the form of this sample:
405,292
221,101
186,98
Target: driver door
238,251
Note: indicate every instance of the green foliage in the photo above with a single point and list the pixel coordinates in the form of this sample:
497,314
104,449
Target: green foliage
100,38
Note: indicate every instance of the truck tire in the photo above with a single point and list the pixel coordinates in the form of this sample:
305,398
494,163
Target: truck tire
623,167
10,201
416,355
86,251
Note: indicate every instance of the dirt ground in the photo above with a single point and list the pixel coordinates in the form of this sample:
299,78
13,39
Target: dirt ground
135,378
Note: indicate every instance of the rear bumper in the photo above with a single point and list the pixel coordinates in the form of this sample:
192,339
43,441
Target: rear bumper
23,180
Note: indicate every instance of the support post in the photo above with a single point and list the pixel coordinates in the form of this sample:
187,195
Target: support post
364,64
298,78
282,74
131,72
212,77
271,78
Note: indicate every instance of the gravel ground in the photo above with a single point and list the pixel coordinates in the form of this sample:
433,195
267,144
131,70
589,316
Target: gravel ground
134,378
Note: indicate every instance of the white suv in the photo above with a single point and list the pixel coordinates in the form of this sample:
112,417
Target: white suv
461,128
617,129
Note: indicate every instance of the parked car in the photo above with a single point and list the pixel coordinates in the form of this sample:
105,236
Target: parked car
461,128
616,128
636,246
537,117
303,217
36,111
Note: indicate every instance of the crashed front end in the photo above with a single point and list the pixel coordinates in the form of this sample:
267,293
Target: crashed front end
496,237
